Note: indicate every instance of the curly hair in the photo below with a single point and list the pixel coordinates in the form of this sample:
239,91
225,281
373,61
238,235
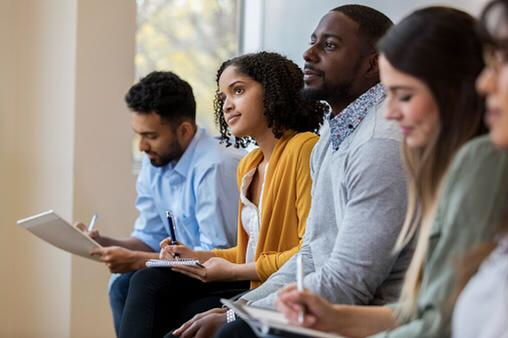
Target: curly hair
284,106
165,94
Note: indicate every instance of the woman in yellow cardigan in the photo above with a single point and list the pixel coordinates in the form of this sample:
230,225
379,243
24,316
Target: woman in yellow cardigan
258,99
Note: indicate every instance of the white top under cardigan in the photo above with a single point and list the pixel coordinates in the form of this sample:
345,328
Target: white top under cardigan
251,214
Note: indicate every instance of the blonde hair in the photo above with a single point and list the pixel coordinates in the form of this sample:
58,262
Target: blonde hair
424,174
444,33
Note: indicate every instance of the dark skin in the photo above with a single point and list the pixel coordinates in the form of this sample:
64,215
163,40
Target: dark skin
340,65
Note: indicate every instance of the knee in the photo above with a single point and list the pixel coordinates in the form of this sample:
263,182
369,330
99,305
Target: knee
235,329
152,278
119,285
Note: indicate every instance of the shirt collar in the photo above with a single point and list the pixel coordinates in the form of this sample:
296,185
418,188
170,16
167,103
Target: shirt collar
182,166
346,122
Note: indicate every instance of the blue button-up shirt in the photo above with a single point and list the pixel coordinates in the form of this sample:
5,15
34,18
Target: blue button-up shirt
201,191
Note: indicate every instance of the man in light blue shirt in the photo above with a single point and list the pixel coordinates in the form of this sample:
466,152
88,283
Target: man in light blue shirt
185,171
200,191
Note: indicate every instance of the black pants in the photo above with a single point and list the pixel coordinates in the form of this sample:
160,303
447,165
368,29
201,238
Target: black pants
160,300
240,329
236,329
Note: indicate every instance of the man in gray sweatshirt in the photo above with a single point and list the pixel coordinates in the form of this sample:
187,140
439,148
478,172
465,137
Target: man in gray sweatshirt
358,192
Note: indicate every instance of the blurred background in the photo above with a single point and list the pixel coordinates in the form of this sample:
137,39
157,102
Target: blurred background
65,137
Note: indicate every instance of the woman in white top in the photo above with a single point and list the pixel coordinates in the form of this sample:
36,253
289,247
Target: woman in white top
482,309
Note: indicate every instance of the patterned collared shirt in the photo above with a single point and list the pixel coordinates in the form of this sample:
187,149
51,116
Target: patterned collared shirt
345,123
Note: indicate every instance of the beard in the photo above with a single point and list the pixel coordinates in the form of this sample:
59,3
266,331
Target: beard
332,92
326,92
173,153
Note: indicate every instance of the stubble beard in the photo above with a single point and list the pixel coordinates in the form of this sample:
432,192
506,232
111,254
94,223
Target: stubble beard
175,151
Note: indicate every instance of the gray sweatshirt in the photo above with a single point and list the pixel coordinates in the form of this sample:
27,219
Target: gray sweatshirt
358,207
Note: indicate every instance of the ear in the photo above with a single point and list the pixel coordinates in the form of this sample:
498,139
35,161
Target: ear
185,132
372,66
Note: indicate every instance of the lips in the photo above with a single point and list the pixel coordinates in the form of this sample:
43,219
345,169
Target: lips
491,116
308,70
406,130
232,118
152,156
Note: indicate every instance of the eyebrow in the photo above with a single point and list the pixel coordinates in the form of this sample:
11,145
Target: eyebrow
236,82
399,87
145,133
327,35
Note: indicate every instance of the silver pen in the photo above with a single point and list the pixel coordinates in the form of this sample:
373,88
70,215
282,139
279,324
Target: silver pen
299,282
92,223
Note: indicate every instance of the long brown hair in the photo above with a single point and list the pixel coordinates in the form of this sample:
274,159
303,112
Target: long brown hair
439,46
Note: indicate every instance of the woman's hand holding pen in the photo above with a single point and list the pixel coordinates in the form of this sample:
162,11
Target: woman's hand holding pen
319,314
173,251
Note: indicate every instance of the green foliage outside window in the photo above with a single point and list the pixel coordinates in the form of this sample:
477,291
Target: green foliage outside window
191,38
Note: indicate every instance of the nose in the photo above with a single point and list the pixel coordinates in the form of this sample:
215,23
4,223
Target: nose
310,54
392,112
143,145
227,106
486,82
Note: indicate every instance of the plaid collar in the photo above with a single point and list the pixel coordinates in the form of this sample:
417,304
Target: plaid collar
345,123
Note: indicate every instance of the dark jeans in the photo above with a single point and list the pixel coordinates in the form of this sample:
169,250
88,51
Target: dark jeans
160,300
117,296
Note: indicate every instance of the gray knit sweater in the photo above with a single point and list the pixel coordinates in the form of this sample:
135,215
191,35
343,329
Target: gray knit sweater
358,206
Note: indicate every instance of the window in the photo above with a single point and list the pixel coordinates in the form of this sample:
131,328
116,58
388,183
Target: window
191,38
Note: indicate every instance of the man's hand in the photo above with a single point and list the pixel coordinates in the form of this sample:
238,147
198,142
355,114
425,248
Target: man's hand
216,269
118,259
94,234
202,325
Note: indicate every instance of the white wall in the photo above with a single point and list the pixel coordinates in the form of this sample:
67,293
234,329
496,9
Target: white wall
65,144
285,26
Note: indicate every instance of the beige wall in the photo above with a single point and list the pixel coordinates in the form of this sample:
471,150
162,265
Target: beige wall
64,144
102,177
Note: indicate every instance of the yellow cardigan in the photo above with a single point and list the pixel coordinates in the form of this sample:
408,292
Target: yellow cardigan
286,204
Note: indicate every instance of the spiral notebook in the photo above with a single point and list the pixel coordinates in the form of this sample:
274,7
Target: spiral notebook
166,263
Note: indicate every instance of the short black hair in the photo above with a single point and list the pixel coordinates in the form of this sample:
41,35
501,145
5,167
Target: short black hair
165,94
372,23
285,108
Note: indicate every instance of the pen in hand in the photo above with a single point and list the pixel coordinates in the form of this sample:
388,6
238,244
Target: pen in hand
299,282
171,224
92,223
